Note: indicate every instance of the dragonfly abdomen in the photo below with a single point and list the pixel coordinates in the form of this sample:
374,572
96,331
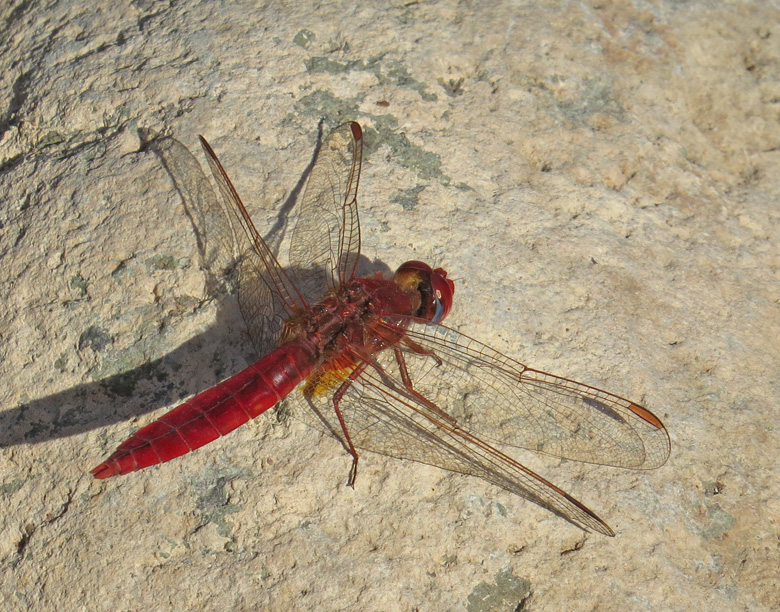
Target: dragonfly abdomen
214,412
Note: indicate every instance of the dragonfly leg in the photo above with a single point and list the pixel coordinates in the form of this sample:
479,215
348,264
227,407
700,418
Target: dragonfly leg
336,399
407,380
420,350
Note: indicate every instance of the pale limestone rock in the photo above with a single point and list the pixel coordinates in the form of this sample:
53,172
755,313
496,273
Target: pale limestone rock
601,181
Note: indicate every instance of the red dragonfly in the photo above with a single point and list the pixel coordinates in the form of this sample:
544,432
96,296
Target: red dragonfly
370,361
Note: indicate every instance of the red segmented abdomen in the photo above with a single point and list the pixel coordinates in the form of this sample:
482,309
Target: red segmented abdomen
214,412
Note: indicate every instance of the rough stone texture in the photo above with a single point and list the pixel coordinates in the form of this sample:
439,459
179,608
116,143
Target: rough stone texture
601,180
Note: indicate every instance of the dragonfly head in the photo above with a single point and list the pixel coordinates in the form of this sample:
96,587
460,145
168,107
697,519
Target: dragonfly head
434,289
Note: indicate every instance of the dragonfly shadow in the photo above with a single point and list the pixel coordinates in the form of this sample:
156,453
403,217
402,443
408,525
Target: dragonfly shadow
116,398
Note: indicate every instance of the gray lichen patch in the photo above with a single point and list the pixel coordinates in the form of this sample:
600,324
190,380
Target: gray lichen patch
506,593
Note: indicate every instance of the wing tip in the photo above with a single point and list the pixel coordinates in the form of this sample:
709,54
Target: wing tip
357,131
605,529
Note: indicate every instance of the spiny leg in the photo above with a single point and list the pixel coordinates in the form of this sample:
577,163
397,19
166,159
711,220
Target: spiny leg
407,380
420,350
336,399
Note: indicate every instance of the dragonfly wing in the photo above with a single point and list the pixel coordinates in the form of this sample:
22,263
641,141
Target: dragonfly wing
382,417
500,399
325,244
266,295
217,242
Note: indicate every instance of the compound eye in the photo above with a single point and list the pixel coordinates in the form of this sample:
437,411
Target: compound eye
443,290
440,313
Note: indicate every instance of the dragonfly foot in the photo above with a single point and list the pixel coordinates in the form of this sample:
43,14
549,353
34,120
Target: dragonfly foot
353,473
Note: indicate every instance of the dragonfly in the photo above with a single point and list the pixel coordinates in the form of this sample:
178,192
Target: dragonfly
368,360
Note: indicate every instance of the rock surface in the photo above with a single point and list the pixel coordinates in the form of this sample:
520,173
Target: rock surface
600,179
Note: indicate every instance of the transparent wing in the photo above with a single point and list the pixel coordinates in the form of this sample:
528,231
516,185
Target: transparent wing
217,243
266,295
502,400
325,244
382,416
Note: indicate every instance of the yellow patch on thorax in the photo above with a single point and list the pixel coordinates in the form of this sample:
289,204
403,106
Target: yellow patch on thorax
328,377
